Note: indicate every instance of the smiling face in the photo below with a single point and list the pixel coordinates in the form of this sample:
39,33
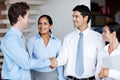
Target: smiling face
107,35
43,26
78,20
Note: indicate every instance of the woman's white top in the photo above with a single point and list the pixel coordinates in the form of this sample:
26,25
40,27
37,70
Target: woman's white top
113,74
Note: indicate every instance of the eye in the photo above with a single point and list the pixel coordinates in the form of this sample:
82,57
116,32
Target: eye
73,16
39,23
45,23
104,31
76,16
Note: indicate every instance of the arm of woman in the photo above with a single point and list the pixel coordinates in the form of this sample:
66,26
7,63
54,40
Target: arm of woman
114,74
30,49
110,73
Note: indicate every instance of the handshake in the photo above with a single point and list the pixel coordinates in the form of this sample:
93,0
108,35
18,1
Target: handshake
54,62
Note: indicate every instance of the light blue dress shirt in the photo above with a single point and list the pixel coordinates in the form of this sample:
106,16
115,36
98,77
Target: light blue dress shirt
38,50
17,61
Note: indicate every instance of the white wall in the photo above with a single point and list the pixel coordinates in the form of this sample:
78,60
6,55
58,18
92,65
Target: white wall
61,13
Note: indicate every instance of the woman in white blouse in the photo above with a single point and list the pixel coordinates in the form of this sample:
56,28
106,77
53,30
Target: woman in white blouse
111,35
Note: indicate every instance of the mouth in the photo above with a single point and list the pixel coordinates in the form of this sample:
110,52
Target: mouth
75,23
42,29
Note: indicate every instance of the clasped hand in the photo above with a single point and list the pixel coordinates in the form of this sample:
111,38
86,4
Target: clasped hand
54,63
103,73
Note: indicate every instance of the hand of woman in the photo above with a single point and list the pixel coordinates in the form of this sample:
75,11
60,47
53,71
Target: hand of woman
53,63
103,73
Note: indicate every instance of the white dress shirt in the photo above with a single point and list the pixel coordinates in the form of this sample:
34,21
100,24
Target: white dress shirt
113,74
93,43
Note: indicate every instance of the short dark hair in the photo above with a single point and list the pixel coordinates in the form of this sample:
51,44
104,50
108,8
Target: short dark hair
84,10
114,26
16,9
48,18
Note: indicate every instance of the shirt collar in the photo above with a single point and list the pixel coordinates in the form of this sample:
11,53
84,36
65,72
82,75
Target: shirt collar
52,36
117,49
16,31
84,32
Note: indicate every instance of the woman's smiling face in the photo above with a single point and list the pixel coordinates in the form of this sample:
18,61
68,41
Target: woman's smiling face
44,26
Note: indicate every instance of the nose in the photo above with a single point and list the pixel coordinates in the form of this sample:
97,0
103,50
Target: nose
40,24
73,18
103,34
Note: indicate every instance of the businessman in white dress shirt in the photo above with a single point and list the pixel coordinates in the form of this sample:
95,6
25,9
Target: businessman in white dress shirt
92,44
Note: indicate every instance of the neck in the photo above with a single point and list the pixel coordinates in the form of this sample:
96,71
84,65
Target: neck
114,44
45,36
18,27
83,27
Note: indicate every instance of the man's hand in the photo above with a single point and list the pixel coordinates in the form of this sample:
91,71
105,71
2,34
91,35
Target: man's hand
53,62
103,73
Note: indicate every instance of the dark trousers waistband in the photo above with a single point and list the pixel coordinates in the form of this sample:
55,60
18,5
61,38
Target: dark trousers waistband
73,78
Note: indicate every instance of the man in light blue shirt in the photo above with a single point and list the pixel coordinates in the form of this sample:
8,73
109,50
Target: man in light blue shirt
17,63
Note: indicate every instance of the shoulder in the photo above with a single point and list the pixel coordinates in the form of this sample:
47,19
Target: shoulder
31,40
95,34
97,37
9,40
57,40
54,38
9,36
57,43
70,35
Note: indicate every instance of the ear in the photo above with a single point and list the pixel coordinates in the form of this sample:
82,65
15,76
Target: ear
86,18
114,33
19,18
51,27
